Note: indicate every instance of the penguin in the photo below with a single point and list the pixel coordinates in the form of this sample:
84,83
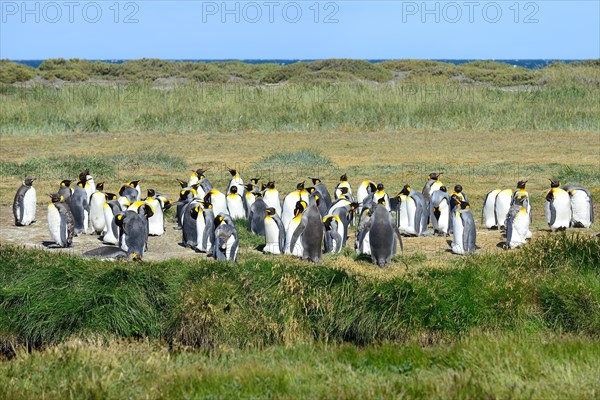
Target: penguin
501,207
226,239
65,190
249,196
558,207
297,249
110,209
289,203
488,214
218,201
343,183
365,188
517,223
342,215
208,236
344,193
381,194
335,234
128,192
257,214
24,203
237,181
189,225
433,183
136,185
523,196
383,234
197,214
235,203
458,191
271,197
146,212
582,206
195,177
323,192
440,212
106,253
411,218
464,234
363,243
274,233
80,209
310,232
87,182
97,200
156,223
60,221
133,233
185,196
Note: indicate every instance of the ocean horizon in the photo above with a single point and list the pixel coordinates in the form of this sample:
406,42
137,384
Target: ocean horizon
525,63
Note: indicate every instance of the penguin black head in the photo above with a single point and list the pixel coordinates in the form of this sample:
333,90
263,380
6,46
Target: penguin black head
100,186
206,203
110,196
405,190
372,187
55,197
119,220
344,190
81,184
327,222
257,195
151,193
194,212
255,180
233,189
434,175
218,220
315,181
464,205
300,207
310,190
182,183
233,172
317,200
249,187
200,172
83,175
271,211
380,186
271,185
381,201
443,189
458,188
521,184
28,181
133,184
343,178
554,183
300,186
354,206
66,182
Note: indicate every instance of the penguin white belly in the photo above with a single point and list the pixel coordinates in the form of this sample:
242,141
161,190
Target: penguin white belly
250,199
562,207
489,215
97,212
156,223
54,224
289,205
520,230
200,225
502,206
230,253
442,223
580,207
366,244
124,202
271,198
193,180
235,206
411,210
219,203
29,206
457,240
110,237
271,237
298,249
435,186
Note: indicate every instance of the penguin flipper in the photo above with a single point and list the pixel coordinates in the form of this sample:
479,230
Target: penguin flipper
469,233
397,233
299,229
281,233
552,213
335,236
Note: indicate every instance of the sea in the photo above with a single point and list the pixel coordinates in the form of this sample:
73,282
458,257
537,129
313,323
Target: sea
530,64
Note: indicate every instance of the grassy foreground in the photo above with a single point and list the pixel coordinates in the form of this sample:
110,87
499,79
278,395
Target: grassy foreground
476,367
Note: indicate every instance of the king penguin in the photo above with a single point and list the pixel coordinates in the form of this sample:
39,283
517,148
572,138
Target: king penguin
582,206
558,207
433,183
249,196
24,203
257,214
65,190
412,213
237,181
365,188
218,201
87,182
226,239
501,207
335,234
97,200
439,212
111,208
310,232
463,229
383,234
274,233
156,223
297,250
80,207
60,221
133,233
323,192
517,223
488,213
289,203
235,203
271,197
343,183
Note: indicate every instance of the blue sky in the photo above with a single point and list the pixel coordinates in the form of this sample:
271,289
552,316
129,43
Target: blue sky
274,29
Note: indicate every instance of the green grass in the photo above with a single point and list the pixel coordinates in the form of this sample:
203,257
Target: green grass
552,284
325,95
475,367
104,167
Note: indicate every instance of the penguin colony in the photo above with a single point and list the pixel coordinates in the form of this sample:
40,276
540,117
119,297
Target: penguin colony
307,223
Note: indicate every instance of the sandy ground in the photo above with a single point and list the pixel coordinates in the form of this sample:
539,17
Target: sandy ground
437,249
